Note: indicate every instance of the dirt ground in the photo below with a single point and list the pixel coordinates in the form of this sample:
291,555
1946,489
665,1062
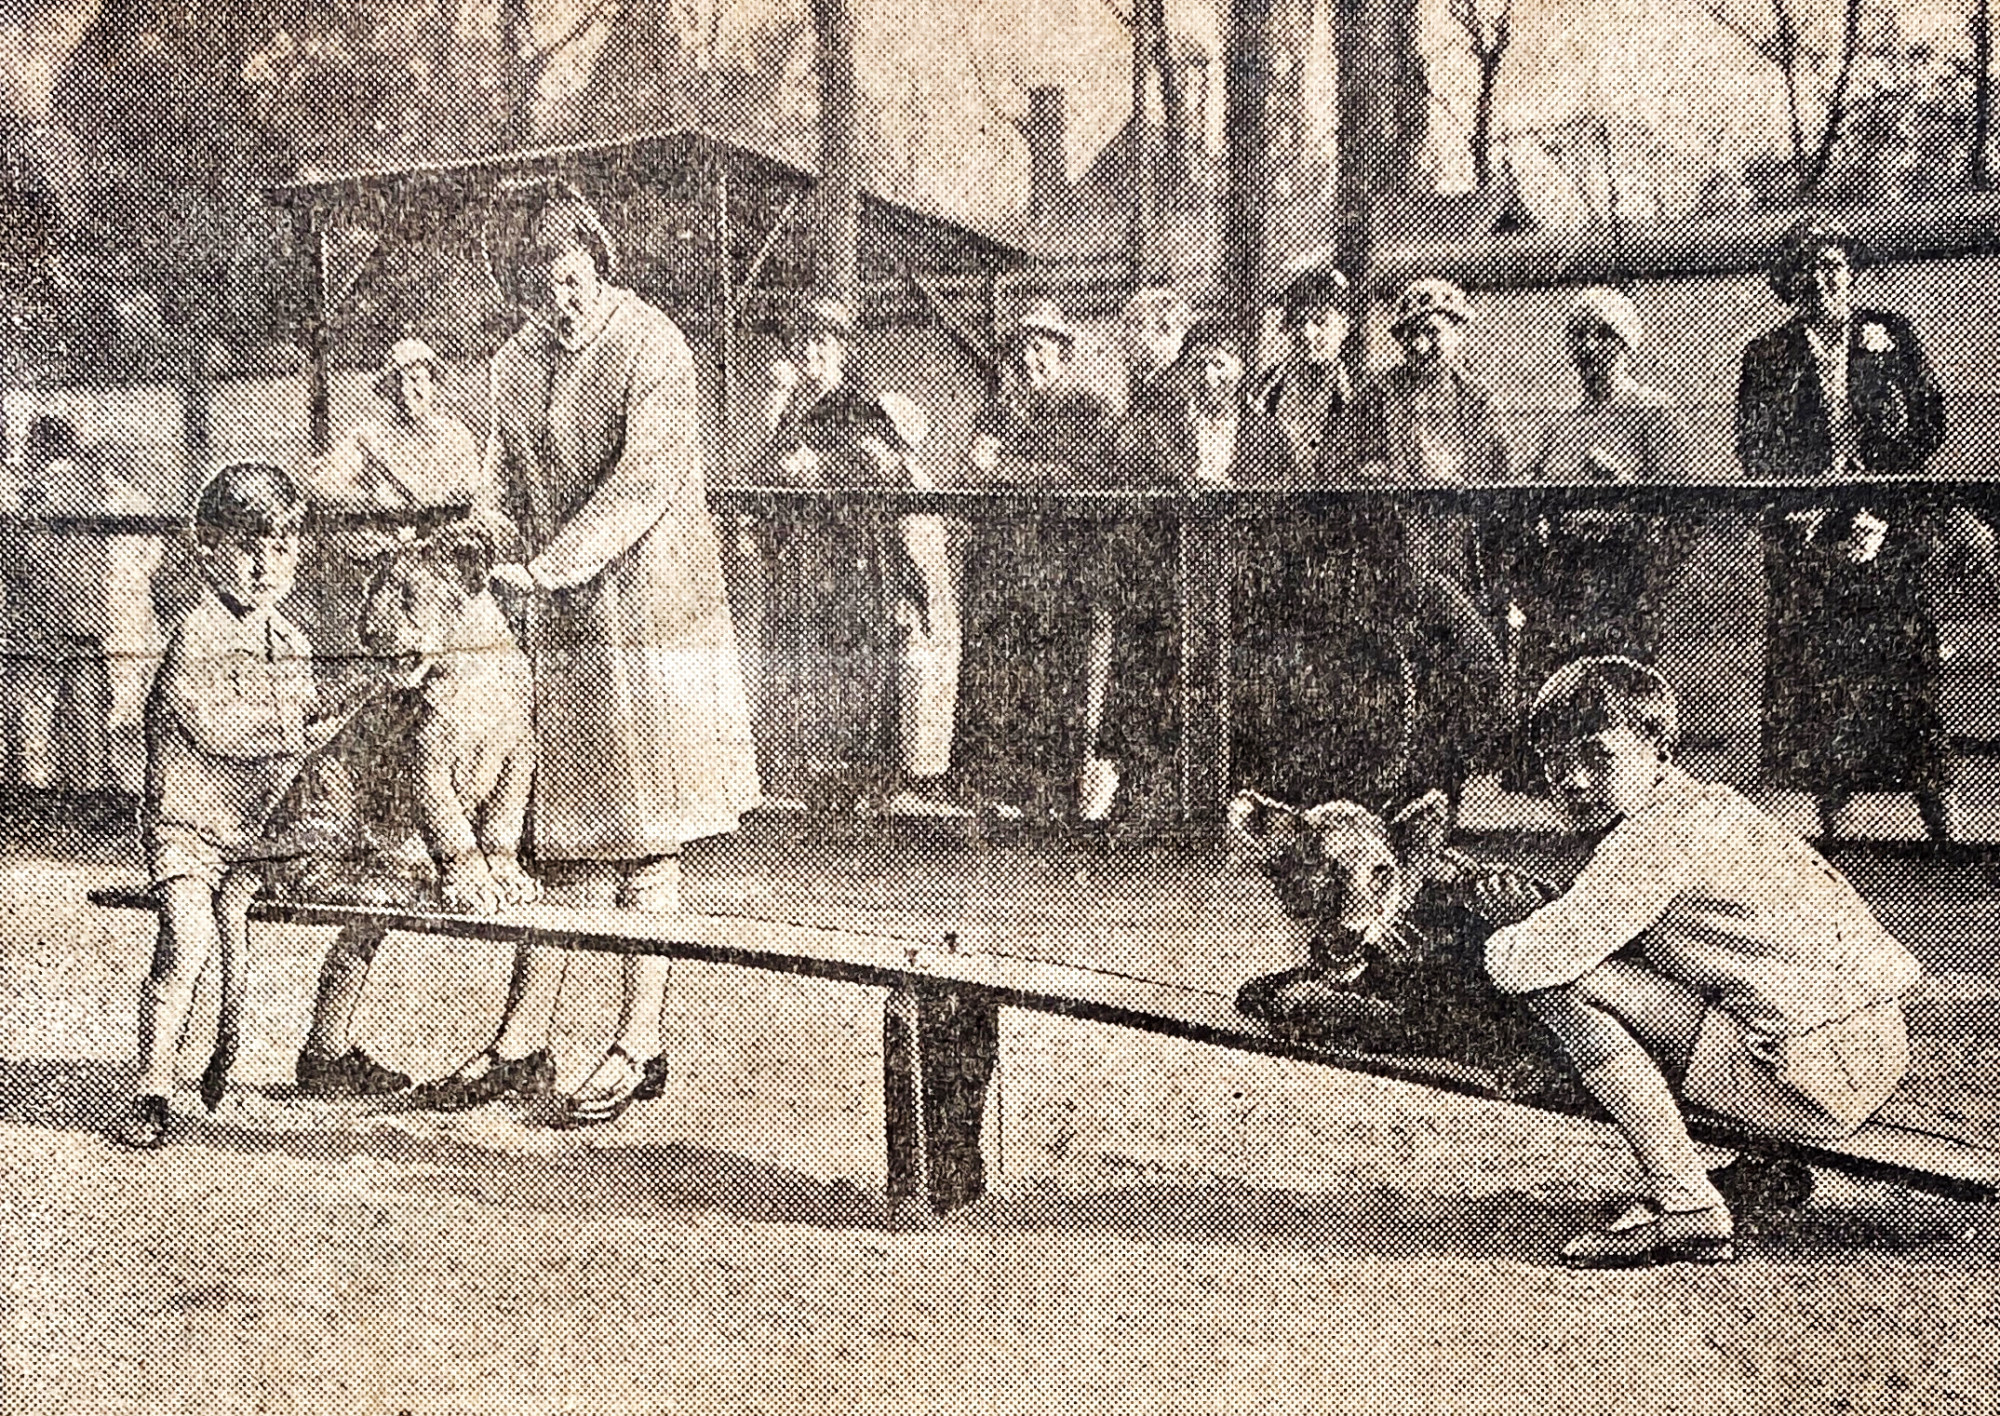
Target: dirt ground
1174,1228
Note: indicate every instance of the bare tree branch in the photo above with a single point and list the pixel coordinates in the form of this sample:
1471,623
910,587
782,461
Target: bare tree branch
1128,19
1488,41
1836,103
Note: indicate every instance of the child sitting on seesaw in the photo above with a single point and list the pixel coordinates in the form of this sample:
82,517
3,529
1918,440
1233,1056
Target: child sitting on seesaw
232,714
1705,949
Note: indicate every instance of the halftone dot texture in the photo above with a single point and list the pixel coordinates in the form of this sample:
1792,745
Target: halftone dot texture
1172,1227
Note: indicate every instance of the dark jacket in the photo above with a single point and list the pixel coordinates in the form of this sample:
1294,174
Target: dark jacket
1898,412
1852,670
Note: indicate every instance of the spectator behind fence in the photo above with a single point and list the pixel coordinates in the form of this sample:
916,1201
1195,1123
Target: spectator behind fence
1131,724
1592,580
1305,398
642,731
1425,422
1036,593
1852,664
852,589
84,630
421,458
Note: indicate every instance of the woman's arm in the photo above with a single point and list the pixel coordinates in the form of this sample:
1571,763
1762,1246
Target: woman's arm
660,455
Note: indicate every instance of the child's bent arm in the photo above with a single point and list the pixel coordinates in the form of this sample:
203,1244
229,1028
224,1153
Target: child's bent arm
204,698
1622,893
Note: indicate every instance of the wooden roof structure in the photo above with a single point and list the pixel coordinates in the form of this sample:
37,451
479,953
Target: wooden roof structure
715,232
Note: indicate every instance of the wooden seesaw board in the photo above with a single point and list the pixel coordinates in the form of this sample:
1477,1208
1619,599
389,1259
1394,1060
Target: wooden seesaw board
911,958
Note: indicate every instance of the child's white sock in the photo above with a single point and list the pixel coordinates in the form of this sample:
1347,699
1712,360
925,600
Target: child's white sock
1632,1089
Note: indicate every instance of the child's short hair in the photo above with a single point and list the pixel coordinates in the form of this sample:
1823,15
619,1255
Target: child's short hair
248,499
1592,695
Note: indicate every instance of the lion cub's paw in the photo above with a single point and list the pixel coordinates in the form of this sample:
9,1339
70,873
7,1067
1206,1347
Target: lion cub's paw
516,886
467,886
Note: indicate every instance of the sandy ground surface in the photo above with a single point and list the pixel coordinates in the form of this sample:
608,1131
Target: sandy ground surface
1174,1228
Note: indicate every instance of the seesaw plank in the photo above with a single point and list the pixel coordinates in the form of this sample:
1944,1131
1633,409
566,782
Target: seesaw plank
864,952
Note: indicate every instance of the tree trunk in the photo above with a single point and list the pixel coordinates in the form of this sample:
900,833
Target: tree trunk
837,218
521,72
1382,96
1248,114
1481,139
1143,152
1979,174
1836,105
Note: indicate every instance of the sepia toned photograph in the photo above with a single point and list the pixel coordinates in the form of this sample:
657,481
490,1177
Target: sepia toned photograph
971,706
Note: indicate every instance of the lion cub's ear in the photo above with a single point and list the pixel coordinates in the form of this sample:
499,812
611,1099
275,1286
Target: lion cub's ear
1418,831
1260,830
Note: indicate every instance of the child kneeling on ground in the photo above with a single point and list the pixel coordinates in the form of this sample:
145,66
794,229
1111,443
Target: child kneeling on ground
232,714
1705,948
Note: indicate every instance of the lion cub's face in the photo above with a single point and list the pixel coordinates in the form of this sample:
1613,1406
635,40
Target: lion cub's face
1344,878
419,595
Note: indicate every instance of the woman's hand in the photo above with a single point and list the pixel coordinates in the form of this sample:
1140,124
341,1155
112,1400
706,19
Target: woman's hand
513,577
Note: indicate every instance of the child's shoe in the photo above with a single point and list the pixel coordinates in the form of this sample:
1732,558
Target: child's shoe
322,1075
143,1126
1645,1236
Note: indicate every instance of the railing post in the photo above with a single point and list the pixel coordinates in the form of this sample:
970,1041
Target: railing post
1203,575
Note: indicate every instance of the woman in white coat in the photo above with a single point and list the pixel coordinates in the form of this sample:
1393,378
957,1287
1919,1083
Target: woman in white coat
642,732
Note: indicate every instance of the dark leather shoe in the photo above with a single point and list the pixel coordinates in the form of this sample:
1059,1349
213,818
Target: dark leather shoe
354,1075
144,1126
652,1080
488,1077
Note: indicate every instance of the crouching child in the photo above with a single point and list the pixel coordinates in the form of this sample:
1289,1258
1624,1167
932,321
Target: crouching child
232,714
1705,954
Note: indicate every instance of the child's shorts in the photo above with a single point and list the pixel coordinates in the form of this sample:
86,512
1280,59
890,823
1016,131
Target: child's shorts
1819,1085
176,851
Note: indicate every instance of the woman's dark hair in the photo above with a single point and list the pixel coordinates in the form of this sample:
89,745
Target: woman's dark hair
248,499
1595,695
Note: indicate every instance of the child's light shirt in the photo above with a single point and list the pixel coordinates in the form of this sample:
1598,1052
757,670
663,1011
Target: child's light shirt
226,723
1723,898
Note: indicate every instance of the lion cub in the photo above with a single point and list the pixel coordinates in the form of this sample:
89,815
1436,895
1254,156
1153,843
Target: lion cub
1379,910
422,802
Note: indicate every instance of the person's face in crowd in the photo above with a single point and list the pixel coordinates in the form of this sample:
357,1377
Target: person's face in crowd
1431,343
822,359
1829,292
252,572
416,392
1220,373
1604,777
1043,360
1600,355
1319,334
1152,338
567,287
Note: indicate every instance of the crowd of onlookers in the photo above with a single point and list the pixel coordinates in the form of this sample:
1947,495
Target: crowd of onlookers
1024,664
877,658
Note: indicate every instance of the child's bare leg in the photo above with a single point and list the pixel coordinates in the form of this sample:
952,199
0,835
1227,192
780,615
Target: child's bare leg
186,939
232,932
1614,1022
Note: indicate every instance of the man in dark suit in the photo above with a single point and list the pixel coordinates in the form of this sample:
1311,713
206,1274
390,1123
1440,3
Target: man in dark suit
1852,668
